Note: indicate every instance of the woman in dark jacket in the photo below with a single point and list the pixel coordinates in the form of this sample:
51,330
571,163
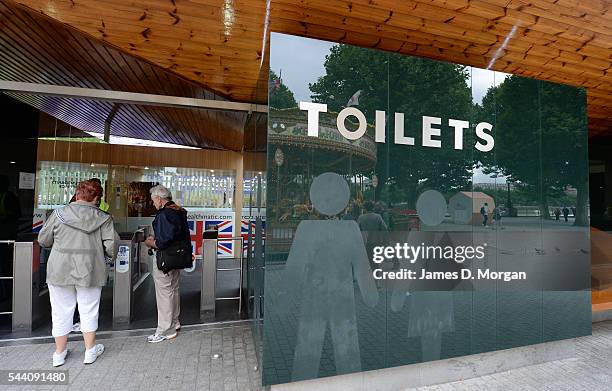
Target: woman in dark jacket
169,226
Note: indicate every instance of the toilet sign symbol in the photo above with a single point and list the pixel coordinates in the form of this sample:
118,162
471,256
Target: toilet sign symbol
326,259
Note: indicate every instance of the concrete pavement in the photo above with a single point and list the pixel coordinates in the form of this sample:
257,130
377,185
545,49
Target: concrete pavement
187,363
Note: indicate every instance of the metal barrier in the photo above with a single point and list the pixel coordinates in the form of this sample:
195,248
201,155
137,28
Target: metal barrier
9,278
23,287
209,278
208,297
128,254
239,239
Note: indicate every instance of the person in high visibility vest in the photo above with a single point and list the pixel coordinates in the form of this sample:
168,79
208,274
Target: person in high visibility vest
104,206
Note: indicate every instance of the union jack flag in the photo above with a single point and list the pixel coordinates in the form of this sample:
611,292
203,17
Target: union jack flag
195,231
226,231
37,226
225,227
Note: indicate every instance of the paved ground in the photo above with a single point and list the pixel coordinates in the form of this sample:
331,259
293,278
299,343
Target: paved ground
132,364
590,370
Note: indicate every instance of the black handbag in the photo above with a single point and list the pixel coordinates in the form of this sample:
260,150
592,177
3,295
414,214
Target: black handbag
174,257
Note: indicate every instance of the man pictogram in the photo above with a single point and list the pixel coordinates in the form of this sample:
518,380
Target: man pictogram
325,259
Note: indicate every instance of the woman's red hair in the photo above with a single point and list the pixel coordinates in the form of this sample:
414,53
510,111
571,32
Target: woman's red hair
88,190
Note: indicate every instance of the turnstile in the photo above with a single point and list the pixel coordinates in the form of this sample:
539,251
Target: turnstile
129,255
208,297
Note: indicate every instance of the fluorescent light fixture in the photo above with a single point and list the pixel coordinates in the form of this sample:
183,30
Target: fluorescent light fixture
119,140
12,162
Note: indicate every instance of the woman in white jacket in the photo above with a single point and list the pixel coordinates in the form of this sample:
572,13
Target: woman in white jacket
81,235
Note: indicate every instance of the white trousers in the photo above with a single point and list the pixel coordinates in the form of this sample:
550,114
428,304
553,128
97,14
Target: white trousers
64,299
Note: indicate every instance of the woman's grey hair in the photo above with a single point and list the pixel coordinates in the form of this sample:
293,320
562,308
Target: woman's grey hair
161,192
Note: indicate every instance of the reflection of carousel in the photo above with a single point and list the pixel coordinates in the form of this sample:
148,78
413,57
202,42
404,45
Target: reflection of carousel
296,158
289,132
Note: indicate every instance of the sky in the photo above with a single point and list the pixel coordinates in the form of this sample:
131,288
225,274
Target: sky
287,51
309,53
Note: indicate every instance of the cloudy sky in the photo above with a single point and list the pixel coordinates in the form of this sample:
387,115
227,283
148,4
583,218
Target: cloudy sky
287,51
309,53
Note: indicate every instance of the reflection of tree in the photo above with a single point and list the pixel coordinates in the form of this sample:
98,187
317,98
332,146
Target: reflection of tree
281,97
415,87
540,138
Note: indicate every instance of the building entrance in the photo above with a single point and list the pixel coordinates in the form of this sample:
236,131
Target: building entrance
46,157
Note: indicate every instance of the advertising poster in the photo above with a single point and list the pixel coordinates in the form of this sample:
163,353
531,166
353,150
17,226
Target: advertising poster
139,199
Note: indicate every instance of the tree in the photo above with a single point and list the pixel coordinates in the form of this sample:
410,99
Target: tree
540,139
413,86
280,97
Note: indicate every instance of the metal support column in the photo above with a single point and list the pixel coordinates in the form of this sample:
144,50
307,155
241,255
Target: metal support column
209,278
258,260
23,262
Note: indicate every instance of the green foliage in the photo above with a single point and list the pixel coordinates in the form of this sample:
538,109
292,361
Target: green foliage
281,97
539,120
413,86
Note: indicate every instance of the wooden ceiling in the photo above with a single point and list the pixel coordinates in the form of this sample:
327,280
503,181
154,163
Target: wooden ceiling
34,48
219,43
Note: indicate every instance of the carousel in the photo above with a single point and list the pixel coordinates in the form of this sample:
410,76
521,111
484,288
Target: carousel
295,159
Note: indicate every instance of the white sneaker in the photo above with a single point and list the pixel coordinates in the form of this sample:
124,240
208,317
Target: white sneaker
177,327
76,328
59,358
155,338
92,354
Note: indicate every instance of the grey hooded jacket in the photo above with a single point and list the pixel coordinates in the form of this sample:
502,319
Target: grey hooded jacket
80,236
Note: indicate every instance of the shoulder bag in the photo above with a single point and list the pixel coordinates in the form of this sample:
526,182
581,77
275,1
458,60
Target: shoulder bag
176,256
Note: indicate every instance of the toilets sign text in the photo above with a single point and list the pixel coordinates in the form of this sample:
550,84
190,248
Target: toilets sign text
431,128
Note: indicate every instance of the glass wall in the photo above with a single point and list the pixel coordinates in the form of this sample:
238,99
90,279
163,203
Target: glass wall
127,188
417,210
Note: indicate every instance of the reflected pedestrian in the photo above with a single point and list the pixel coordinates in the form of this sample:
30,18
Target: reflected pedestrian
373,229
565,213
557,213
484,211
497,217
352,212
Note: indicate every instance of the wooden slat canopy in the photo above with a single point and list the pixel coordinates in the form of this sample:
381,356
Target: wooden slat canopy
34,48
219,43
